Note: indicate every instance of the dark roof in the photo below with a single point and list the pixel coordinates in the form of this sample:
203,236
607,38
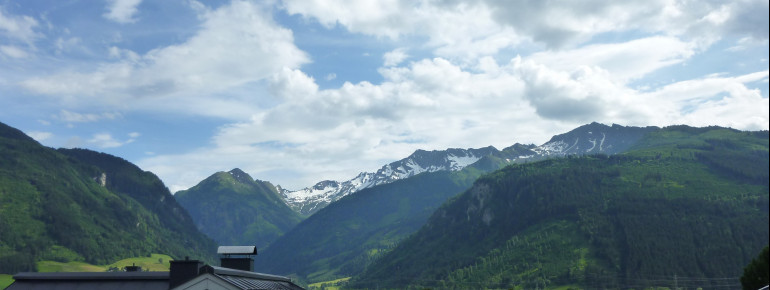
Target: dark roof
143,280
250,280
91,280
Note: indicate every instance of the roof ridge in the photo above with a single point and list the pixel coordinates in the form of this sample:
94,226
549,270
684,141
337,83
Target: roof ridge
246,274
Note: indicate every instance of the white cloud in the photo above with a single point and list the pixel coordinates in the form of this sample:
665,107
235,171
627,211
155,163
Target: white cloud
237,46
39,136
436,104
122,11
13,51
474,28
446,82
723,101
105,140
74,117
66,45
394,57
20,28
455,29
625,61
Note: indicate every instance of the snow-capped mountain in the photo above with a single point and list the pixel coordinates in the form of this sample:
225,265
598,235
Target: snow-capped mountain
593,138
308,200
588,139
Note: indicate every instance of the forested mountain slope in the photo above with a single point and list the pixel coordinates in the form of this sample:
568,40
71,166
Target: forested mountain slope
235,209
341,239
77,205
683,201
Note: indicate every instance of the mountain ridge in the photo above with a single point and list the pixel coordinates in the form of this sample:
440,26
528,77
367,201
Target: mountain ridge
674,204
356,230
581,140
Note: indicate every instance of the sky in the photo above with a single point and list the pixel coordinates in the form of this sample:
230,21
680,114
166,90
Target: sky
298,91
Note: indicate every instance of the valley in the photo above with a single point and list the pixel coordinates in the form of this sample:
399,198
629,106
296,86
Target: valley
599,206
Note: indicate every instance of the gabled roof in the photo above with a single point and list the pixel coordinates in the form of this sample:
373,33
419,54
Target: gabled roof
88,281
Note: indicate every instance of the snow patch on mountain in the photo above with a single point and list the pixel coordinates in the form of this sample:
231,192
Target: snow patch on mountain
613,140
307,200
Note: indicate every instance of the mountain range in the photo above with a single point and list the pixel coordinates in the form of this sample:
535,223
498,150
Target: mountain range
680,202
357,229
597,207
589,139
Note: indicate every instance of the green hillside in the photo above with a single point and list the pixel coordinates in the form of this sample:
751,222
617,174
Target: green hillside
345,237
53,206
235,209
684,202
342,238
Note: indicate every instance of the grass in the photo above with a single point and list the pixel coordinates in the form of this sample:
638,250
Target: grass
329,284
5,280
52,266
156,262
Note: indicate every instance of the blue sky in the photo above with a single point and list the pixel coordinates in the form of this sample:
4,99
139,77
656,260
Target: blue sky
300,91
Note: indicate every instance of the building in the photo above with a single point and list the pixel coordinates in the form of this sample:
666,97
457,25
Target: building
236,273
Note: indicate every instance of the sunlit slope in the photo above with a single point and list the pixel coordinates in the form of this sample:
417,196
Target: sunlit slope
684,201
66,208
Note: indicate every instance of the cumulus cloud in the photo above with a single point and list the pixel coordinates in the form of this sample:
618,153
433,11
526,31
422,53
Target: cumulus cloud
455,29
473,28
394,57
713,100
425,105
238,44
449,79
122,11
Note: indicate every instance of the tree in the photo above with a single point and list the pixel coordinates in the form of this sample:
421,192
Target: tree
757,273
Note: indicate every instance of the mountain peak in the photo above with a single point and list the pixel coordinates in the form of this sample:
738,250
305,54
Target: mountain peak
240,176
326,183
594,138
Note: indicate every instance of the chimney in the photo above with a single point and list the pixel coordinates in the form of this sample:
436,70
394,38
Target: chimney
133,268
237,257
183,271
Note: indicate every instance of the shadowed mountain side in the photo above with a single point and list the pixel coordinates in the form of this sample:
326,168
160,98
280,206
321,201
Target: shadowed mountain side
235,209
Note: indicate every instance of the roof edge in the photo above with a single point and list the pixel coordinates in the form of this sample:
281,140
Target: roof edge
91,276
